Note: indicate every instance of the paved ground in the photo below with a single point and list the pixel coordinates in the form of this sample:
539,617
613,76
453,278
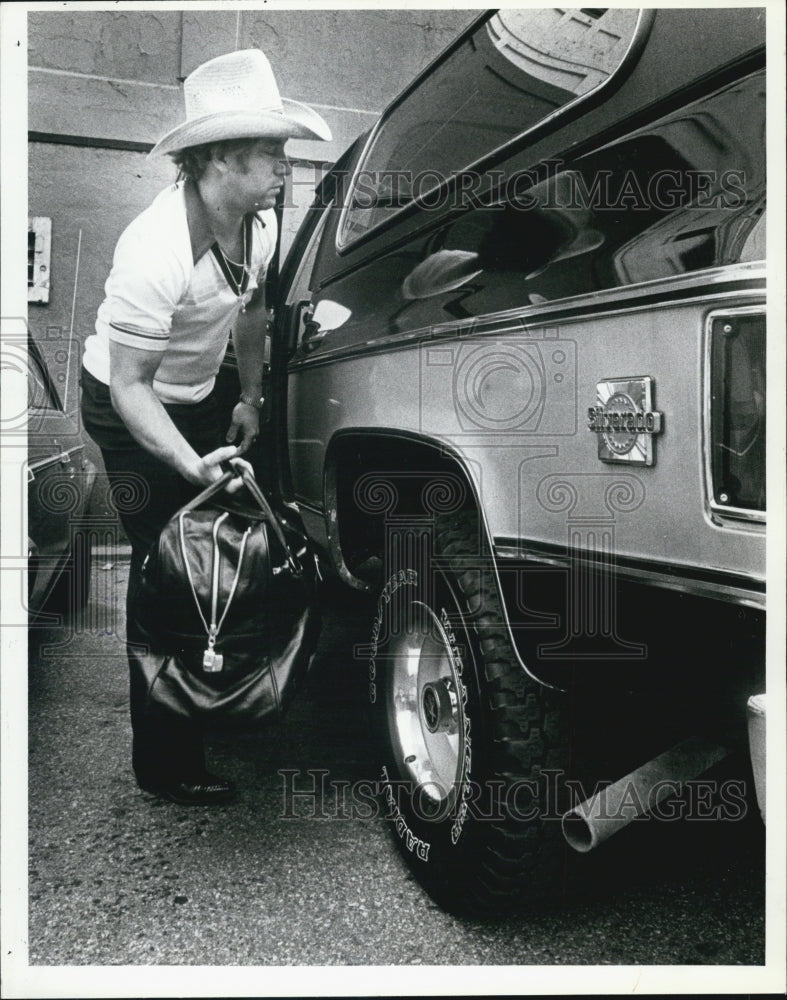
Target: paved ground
117,877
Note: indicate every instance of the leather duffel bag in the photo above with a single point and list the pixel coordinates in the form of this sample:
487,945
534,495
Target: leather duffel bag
224,623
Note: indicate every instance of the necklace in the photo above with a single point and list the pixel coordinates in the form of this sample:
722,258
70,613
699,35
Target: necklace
236,274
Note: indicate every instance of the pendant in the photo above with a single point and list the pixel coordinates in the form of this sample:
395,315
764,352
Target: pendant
212,662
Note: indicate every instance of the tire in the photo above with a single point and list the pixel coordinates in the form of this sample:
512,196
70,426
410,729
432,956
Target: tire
471,751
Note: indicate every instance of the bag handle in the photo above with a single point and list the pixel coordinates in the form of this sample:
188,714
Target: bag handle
251,485
207,494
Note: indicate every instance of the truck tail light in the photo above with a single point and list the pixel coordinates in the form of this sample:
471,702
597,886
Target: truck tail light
737,414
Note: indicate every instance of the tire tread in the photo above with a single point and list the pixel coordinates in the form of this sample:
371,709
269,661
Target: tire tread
517,861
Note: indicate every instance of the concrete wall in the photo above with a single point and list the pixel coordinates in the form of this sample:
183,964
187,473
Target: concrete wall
103,79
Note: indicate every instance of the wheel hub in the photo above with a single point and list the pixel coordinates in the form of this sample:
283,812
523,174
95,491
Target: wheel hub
438,706
425,710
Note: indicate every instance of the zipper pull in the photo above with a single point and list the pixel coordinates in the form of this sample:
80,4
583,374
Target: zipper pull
212,662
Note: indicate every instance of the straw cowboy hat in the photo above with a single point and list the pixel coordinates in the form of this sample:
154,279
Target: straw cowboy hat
235,96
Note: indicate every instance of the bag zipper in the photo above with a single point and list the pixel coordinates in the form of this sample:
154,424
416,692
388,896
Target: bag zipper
213,662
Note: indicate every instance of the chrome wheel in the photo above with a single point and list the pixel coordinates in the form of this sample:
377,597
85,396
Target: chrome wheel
425,714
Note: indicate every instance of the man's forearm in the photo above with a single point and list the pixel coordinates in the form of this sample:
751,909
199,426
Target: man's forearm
249,341
149,423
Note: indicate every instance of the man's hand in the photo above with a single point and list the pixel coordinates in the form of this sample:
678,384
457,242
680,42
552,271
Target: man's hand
245,419
208,468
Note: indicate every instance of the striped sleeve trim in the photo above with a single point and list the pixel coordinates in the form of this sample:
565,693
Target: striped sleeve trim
146,341
138,331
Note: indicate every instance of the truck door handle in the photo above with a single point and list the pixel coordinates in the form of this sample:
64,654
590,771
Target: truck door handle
312,335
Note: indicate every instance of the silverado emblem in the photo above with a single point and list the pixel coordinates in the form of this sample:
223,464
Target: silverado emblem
624,420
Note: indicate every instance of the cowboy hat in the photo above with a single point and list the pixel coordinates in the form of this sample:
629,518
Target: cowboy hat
235,96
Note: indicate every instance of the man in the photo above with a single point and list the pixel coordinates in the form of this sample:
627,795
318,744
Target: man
186,272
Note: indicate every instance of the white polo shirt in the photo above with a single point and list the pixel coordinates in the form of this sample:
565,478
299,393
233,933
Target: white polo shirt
159,300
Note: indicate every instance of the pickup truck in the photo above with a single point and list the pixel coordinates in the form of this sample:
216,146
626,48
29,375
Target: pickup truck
520,352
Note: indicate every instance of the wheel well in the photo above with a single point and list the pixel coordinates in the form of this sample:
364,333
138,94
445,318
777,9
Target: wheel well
372,478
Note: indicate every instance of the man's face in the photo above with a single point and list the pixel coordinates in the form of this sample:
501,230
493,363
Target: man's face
257,174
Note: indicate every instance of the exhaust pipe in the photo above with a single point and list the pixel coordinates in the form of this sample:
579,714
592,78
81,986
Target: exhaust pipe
614,807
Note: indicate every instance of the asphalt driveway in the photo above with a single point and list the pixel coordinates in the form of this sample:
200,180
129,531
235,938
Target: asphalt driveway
117,877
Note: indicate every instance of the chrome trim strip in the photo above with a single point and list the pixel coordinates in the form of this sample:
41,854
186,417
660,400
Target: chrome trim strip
665,580
721,516
638,39
735,514
724,282
61,458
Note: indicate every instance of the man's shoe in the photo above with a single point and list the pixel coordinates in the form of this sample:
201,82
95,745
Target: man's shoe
209,790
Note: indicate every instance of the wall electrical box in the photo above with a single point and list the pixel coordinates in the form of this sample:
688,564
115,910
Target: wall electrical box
39,253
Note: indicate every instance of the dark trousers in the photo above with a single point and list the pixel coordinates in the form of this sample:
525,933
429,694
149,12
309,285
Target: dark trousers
146,493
